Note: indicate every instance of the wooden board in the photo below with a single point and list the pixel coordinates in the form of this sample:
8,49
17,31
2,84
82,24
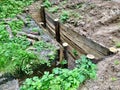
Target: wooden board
82,44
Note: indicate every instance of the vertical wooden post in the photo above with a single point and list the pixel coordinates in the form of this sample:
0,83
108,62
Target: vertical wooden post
57,30
42,13
65,51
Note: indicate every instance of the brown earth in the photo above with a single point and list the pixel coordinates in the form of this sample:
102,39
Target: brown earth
98,19
108,75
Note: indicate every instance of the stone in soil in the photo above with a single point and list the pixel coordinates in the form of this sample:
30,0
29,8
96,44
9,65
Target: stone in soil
10,85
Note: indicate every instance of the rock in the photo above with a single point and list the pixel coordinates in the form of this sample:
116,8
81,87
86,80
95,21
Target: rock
10,85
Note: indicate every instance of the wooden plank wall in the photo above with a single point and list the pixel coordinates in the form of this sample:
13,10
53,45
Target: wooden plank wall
79,42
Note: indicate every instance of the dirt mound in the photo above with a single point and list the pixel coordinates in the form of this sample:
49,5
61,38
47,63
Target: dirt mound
108,75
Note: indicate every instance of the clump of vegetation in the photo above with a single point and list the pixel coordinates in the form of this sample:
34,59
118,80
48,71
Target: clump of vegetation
64,16
116,62
16,25
47,3
75,52
10,8
118,45
63,79
14,57
44,46
113,79
53,9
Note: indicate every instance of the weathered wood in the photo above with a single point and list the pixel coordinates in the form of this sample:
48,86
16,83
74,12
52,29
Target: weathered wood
43,18
49,17
84,42
50,24
33,33
9,31
23,19
51,31
57,30
31,36
65,51
81,43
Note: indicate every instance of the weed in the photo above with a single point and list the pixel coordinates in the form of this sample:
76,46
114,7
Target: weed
113,79
62,79
10,8
118,45
75,52
116,62
47,3
16,25
53,9
64,16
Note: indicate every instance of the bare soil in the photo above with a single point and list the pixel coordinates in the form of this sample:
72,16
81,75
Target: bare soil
98,19
108,75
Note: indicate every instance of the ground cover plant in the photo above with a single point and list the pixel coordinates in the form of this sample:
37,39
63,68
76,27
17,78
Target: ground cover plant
9,8
63,79
15,56
14,53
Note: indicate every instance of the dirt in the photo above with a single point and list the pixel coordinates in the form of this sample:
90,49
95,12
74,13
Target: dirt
108,75
98,19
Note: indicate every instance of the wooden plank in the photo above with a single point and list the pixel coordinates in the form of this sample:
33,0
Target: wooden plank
51,31
81,43
49,17
57,30
80,46
50,24
43,18
84,40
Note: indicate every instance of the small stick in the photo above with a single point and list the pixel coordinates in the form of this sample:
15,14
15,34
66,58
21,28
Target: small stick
42,13
9,31
23,19
31,36
65,46
57,30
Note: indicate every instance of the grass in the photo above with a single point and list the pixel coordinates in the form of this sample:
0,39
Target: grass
10,8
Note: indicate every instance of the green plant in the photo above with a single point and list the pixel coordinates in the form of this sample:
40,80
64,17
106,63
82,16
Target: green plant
14,58
10,8
116,62
64,16
4,36
118,45
47,47
47,3
113,79
75,52
63,62
42,45
53,9
62,79
16,25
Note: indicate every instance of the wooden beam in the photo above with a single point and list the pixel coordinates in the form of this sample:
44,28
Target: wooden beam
57,30
65,52
43,18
